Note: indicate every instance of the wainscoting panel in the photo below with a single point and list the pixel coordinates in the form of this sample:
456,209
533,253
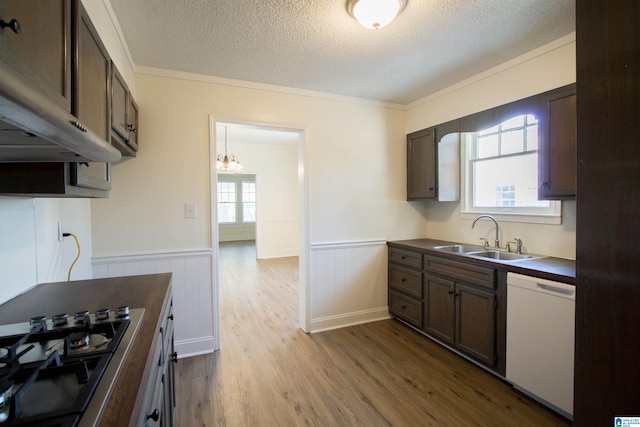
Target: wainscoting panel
192,282
348,284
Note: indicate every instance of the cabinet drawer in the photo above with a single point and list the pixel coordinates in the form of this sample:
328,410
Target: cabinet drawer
406,308
408,258
406,281
469,273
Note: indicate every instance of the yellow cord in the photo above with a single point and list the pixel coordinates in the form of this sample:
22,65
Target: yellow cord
75,260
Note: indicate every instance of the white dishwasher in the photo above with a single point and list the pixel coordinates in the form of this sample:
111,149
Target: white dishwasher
540,340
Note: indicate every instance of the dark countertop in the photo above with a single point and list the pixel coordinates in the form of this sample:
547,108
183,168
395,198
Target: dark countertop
550,268
151,292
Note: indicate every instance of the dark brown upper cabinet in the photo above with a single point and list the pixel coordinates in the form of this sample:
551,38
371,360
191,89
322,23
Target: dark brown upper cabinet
36,44
132,116
91,97
556,114
557,150
66,60
92,72
124,116
421,165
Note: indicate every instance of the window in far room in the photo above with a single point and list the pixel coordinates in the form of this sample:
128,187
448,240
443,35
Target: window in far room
500,166
236,199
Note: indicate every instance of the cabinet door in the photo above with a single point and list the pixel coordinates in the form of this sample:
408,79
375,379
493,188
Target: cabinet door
439,310
169,358
92,72
476,323
132,123
169,393
421,165
119,104
557,150
40,50
91,100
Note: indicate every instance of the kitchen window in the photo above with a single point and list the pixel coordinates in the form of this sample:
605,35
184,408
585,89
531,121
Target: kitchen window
236,199
500,172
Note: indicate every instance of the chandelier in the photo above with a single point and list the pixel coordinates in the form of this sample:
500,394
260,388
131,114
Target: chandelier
227,162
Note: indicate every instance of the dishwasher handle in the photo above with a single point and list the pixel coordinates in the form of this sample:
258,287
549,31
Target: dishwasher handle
565,289
535,284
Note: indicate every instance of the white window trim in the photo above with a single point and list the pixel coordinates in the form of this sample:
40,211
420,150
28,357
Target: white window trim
511,217
503,214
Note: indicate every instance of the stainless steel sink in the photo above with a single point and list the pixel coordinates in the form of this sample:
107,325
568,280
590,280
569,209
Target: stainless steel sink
481,252
502,256
459,249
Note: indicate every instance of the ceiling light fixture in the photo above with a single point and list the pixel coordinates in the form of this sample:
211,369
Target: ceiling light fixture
226,162
375,14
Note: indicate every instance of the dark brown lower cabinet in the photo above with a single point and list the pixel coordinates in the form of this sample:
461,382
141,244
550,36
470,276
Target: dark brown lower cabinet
406,308
476,323
440,311
455,303
462,316
159,399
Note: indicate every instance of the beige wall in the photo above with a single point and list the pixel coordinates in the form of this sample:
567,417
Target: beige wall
538,71
355,166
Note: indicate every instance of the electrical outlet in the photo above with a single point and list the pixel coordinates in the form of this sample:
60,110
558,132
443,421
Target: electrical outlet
59,231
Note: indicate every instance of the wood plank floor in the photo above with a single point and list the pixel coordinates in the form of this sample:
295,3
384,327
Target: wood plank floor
269,373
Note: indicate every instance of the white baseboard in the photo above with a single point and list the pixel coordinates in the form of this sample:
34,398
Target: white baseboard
349,319
279,253
195,347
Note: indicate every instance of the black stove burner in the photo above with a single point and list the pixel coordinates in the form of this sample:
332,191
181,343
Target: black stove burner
78,340
50,370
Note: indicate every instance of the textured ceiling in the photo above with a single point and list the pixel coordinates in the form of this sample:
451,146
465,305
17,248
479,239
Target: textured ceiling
316,45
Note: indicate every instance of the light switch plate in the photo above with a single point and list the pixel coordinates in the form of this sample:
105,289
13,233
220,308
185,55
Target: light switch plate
190,210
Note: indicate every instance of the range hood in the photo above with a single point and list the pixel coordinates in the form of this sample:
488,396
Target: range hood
33,128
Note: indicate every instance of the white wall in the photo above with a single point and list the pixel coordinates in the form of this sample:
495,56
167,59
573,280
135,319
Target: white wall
543,69
30,252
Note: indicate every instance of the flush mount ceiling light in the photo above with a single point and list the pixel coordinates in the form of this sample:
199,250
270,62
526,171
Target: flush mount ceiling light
375,14
227,162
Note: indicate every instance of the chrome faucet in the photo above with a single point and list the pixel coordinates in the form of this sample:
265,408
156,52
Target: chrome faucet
518,242
497,241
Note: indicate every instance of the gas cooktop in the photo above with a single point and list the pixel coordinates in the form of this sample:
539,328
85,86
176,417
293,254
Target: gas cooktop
59,371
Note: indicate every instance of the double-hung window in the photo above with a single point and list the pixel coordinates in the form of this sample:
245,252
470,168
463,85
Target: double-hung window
500,166
236,199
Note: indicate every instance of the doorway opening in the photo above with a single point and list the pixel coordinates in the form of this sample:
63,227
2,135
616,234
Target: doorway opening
274,156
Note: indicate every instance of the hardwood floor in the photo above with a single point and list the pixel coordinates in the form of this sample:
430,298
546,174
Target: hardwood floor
269,373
